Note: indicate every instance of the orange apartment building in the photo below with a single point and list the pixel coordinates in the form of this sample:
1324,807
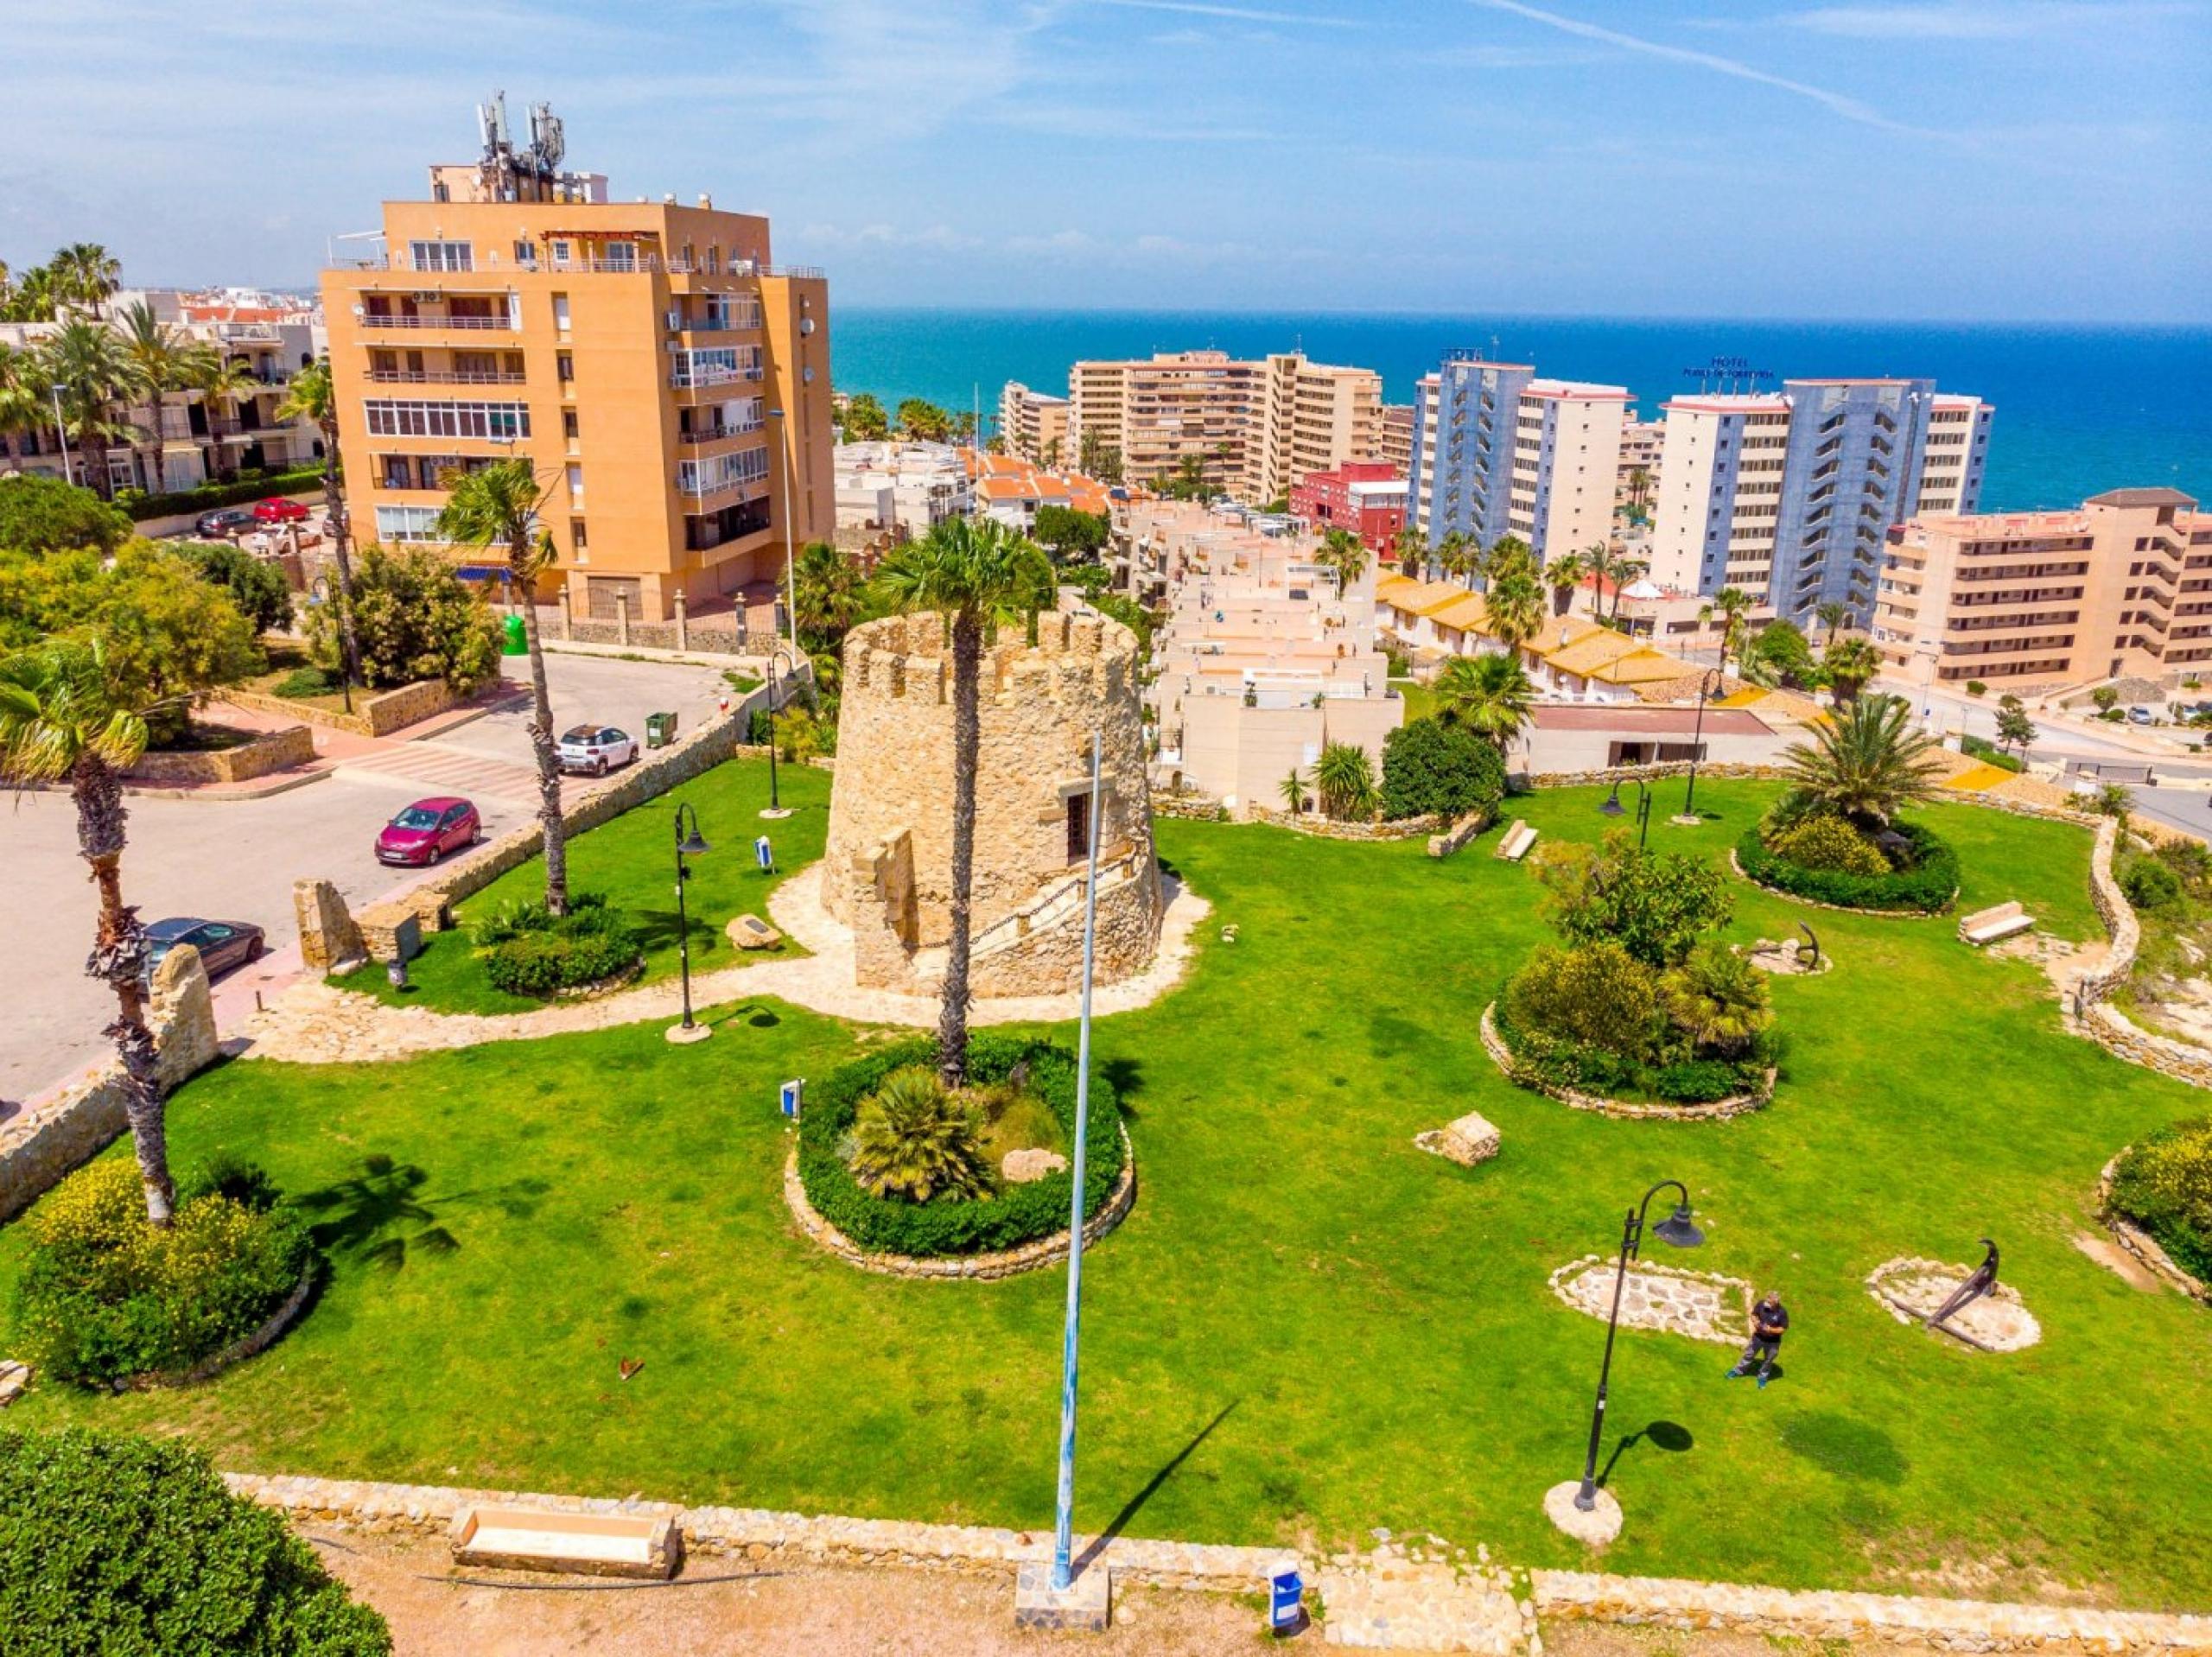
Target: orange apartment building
668,382
2120,587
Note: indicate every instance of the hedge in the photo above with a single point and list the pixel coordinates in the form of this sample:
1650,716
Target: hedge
1545,1063
2164,1184
1982,748
112,1543
1019,1215
208,496
529,951
1929,887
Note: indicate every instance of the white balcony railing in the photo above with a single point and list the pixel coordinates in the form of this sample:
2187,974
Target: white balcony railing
372,321
442,376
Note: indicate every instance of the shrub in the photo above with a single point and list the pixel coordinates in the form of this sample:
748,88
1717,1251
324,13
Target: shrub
1976,688
249,486
2107,698
914,1137
302,683
1550,1063
2164,1184
1699,1080
48,515
1928,885
2149,883
1596,994
255,585
1989,753
1717,998
526,950
1020,1213
1654,904
114,1543
104,1295
1432,767
2191,860
1822,841
414,618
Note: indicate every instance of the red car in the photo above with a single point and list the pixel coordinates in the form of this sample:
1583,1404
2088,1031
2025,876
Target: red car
276,509
426,830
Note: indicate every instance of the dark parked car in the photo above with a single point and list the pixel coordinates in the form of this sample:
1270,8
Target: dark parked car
222,944
277,509
426,830
224,522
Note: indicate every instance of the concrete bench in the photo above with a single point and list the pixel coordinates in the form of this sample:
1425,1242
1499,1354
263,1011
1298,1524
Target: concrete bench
1514,845
593,1544
1989,926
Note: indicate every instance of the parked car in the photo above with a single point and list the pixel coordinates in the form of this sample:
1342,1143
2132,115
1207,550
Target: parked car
222,944
2141,716
277,509
596,748
426,830
224,522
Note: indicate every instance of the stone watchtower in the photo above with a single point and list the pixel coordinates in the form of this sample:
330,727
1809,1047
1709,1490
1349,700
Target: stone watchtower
887,873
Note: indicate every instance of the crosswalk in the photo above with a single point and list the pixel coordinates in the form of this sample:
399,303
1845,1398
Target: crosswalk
436,769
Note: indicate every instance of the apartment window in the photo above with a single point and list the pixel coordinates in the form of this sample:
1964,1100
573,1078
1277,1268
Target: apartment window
402,417
406,524
621,256
562,252
398,471
713,258
576,486
526,254
441,256
561,309
576,534
568,424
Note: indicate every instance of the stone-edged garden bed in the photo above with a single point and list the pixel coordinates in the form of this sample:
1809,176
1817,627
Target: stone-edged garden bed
1668,1299
1771,874
2141,1244
1737,1104
238,1351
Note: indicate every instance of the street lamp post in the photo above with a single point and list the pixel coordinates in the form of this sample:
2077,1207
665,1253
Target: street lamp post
687,845
791,580
1677,1229
1613,807
1706,686
776,809
61,433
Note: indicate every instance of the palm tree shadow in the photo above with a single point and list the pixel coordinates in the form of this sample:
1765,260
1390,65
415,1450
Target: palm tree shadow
1126,1077
381,1215
1130,1508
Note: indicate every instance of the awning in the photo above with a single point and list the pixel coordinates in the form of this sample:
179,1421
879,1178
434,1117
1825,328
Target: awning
484,572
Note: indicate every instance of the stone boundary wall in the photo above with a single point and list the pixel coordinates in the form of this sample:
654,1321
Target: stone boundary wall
379,714
1454,838
1738,1104
760,1534
1963,1625
981,1268
237,1352
44,1145
2141,1244
1727,770
1321,828
273,751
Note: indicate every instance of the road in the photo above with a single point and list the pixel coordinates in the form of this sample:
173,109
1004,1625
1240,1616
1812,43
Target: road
236,860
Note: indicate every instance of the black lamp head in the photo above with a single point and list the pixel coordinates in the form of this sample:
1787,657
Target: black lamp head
1678,1230
1612,807
693,845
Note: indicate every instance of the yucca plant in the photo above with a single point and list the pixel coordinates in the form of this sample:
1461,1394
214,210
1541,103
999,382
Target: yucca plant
1717,998
1344,779
915,1138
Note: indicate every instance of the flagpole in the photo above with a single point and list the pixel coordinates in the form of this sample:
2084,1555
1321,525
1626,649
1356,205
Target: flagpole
1063,1538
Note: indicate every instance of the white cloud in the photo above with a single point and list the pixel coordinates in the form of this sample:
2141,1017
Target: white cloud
1977,20
1240,14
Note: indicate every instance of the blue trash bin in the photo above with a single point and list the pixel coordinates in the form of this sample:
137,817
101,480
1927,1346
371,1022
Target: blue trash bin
1286,1603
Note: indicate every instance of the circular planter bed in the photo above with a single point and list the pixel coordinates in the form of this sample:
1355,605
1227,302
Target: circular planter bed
606,986
237,1352
2136,1238
1017,1228
1927,888
1524,1075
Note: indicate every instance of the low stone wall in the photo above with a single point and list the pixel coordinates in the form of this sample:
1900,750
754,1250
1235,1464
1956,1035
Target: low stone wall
1740,1104
981,1268
237,1352
1612,774
1321,828
2141,1244
1463,830
378,713
1946,1624
272,751
39,1148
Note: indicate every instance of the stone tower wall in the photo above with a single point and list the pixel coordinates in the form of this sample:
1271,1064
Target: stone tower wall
888,865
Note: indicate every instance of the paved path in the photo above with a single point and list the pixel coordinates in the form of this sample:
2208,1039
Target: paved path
315,1024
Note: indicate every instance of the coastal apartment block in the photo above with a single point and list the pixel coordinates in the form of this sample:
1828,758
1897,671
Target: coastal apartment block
1498,451
1252,429
1033,425
1791,495
2121,586
669,384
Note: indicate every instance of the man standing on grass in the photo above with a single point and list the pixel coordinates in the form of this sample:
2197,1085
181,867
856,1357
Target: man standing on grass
1770,1318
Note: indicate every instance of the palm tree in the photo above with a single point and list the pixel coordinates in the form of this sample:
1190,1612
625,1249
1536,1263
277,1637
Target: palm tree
972,572
1565,573
1413,552
1293,789
61,721
1343,555
1489,696
915,1138
1832,615
86,361
85,274
23,406
162,360
1639,493
1864,762
1456,557
312,397
1509,555
1625,569
1732,605
1850,662
832,595
1717,998
1515,604
223,382
498,507
1345,777
32,298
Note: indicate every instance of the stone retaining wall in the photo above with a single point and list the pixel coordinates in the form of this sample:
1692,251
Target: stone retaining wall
983,1268
268,752
1648,773
380,713
2141,1244
1738,1104
1462,829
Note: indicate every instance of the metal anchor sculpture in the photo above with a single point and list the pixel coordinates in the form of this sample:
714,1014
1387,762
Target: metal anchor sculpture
1983,1279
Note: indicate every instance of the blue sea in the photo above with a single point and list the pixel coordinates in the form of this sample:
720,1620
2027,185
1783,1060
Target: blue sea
2079,409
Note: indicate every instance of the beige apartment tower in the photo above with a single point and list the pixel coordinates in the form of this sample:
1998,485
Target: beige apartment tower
1035,425
669,383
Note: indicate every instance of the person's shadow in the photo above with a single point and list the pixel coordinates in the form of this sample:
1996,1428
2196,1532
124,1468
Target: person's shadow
1669,1436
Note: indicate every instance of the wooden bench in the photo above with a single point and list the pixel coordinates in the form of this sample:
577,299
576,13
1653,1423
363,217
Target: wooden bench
593,1544
1516,843
1989,926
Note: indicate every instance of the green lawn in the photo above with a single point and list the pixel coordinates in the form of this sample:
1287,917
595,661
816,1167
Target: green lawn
632,860
1307,1327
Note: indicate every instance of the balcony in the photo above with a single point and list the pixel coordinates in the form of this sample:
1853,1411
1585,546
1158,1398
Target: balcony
718,434
441,377
420,321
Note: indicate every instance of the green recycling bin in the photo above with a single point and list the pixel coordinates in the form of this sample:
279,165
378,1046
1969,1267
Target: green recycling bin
515,645
660,730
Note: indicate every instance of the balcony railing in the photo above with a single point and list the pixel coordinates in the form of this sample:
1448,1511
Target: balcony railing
442,376
373,320
689,379
718,434
648,263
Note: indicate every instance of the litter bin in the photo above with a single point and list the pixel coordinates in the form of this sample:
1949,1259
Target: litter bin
515,645
660,730
1286,1603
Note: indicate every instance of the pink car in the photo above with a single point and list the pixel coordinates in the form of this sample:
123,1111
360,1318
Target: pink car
276,509
426,830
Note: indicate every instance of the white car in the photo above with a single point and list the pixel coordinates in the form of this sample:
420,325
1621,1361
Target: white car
597,749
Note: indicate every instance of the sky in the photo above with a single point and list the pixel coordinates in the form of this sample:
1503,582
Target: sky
1998,160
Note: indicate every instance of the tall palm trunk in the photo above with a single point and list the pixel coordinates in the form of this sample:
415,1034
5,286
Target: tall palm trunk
967,743
334,507
119,956
541,740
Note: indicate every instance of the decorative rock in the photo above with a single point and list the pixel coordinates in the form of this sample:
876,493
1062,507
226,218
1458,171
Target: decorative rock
15,1376
1082,1607
1601,1525
1020,1167
751,932
1471,1140
328,936
1704,1305
1913,1289
390,930
185,1014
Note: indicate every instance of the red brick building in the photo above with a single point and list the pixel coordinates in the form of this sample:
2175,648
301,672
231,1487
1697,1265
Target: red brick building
1366,497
